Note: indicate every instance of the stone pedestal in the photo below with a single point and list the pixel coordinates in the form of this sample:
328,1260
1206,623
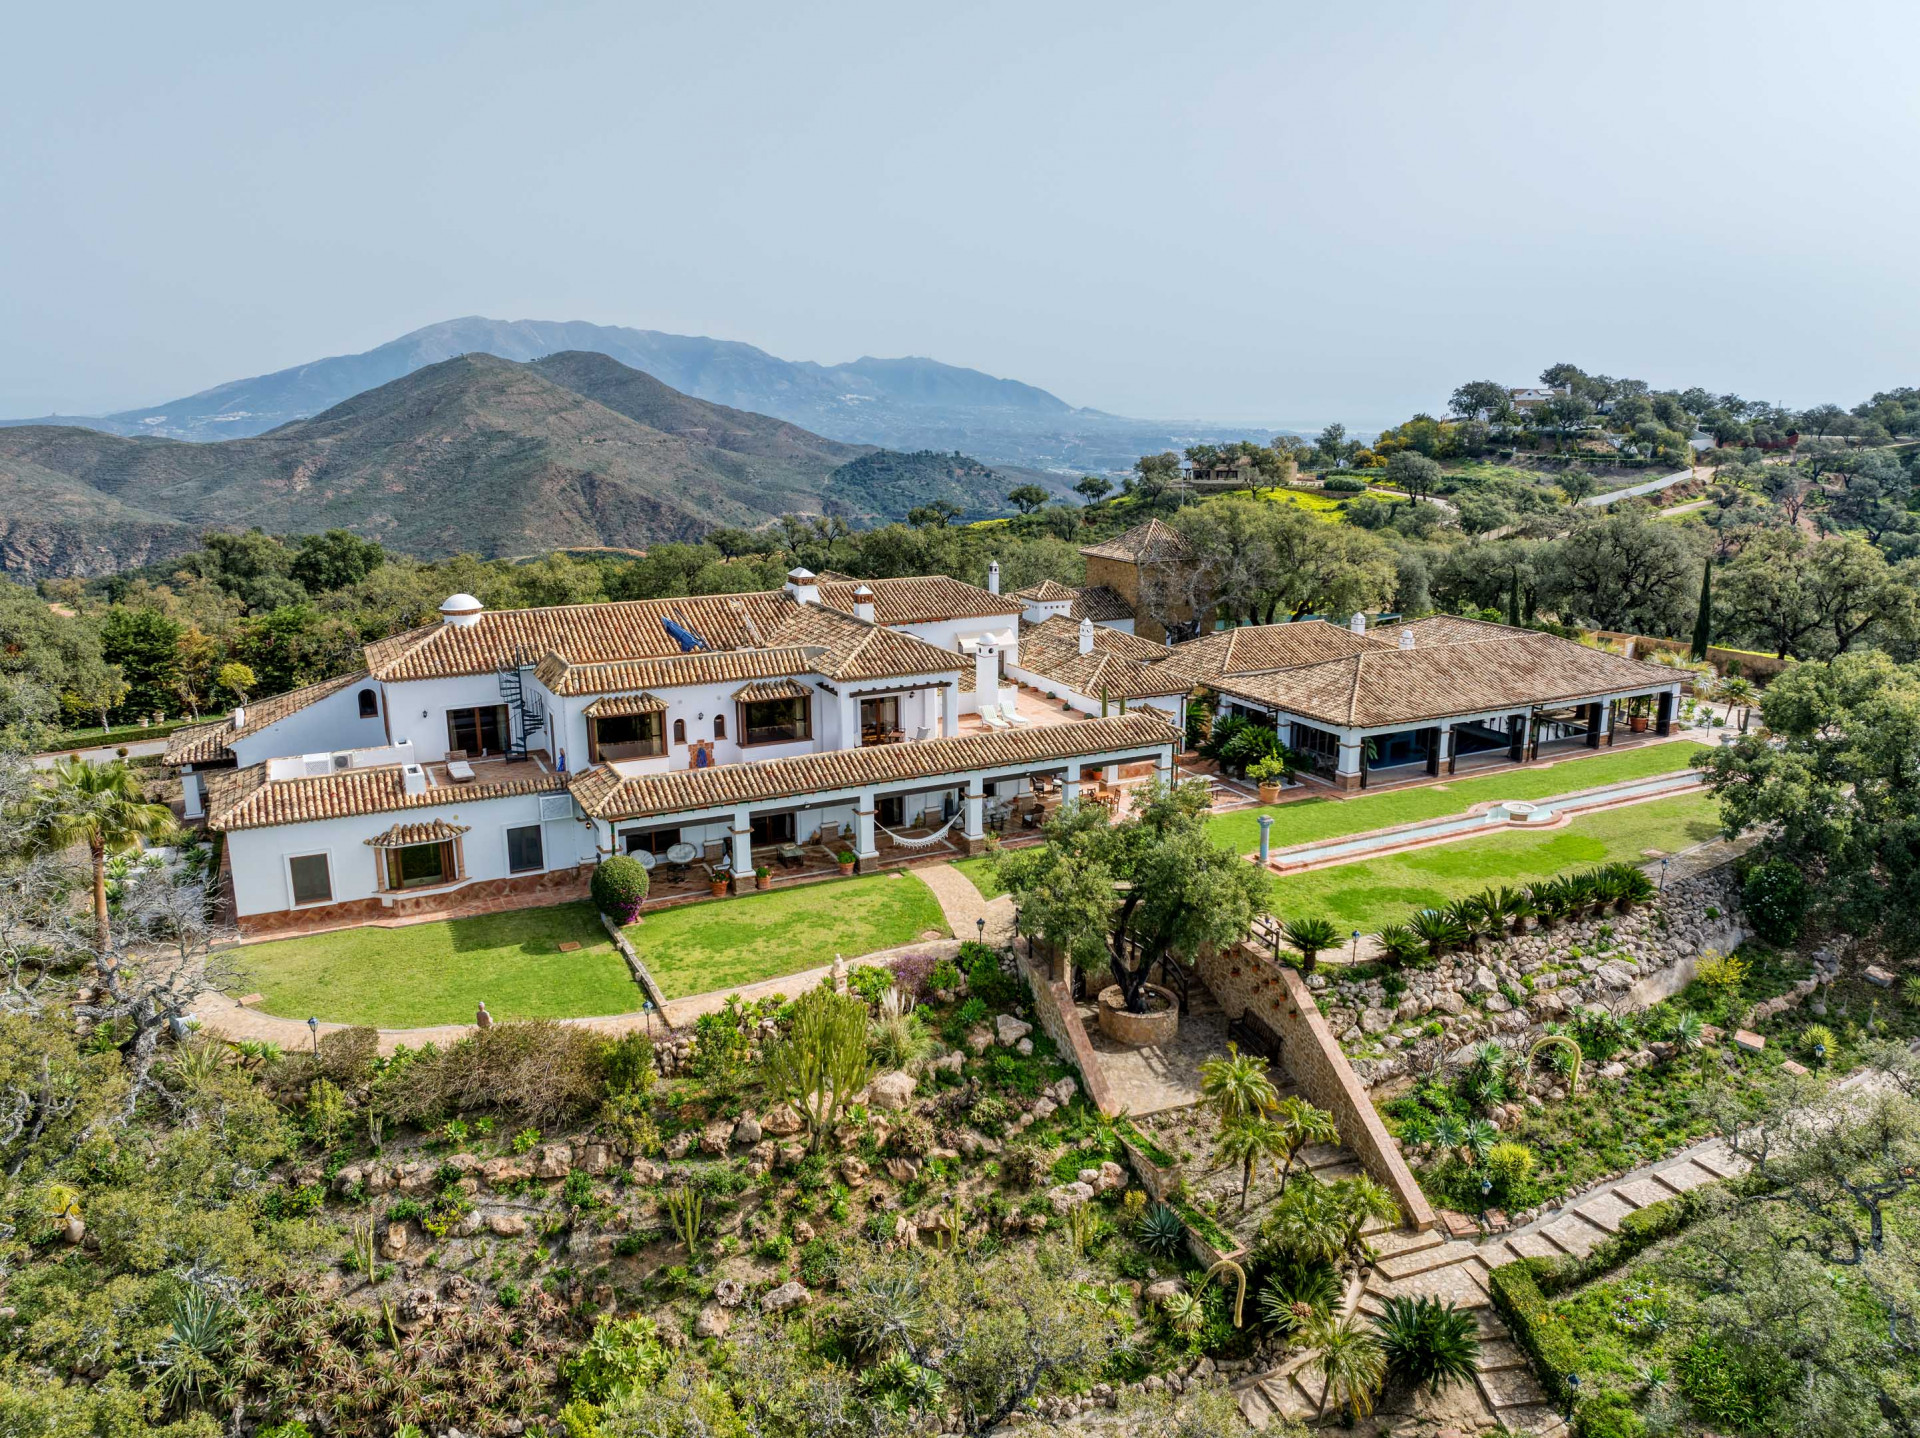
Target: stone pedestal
1148,1030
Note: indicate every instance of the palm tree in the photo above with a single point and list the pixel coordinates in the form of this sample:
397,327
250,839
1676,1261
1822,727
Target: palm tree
1351,1361
1428,1344
99,805
1361,1201
1310,936
1245,1141
1300,1124
1516,906
1400,945
1237,1086
1736,693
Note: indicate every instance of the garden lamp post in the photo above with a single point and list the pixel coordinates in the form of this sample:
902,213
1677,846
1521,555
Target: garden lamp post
1573,1393
313,1027
1663,875
980,927
1354,957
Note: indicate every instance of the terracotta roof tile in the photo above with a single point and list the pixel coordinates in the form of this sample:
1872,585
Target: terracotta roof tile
727,666
608,795
849,648
405,836
1389,685
1047,591
246,799
615,706
1149,541
1255,649
921,599
1101,604
207,743
772,689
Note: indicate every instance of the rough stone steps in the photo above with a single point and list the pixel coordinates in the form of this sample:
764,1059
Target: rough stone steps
1423,1260
1406,1240
1497,1355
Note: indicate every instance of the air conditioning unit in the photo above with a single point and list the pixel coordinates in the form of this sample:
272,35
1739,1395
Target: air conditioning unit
316,765
556,806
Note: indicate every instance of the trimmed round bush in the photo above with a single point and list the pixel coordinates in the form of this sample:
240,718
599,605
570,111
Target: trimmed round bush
1343,484
620,888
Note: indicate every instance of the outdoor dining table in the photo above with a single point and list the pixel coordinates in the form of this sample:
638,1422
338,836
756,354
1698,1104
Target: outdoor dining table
679,856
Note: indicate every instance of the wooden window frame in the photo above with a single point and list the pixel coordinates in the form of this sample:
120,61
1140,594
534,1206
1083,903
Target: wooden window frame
595,745
805,725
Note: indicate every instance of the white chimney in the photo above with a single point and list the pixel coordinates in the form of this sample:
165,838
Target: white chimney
413,779
993,577
986,674
1086,636
461,610
804,588
863,604
1406,639
239,716
1358,624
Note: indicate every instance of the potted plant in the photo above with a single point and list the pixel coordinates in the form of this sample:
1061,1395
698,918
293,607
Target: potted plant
717,882
1637,711
1269,773
762,877
846,861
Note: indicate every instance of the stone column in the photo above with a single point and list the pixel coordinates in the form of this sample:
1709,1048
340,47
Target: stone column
742,845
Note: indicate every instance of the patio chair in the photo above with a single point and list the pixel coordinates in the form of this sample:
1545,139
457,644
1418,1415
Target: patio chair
990,715
716,850
830,832
1013,715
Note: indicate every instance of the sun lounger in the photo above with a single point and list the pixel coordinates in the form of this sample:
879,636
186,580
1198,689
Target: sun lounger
990,714
460,771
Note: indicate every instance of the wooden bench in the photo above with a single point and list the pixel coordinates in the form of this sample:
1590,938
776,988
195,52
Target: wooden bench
1254,1035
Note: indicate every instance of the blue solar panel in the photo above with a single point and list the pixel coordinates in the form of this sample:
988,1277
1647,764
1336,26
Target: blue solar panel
686,638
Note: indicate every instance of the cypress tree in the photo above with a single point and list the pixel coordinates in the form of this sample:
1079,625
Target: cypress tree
1703,621
1513,601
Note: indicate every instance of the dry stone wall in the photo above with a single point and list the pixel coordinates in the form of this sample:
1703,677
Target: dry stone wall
1512,986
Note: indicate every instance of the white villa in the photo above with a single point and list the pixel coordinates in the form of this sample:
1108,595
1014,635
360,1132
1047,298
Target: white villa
496,756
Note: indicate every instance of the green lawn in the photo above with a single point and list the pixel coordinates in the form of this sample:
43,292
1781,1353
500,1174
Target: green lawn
721,943
1373,892
1306,820
979,872
436,973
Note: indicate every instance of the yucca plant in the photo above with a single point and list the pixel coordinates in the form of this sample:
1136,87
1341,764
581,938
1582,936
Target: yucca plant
1351,1362
1910,991
1428,1344
1161,1231
1311,937
1816,1041
1436,930
1400,945
1297,1291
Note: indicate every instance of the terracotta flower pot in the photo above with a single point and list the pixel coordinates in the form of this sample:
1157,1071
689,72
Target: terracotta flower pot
1638,723
763,881
1269,793
719,888
846,868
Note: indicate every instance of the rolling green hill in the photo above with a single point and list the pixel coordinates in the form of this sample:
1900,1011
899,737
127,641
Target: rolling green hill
471,454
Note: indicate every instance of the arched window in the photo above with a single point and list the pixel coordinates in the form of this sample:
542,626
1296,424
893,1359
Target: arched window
679,731
719,726
369,704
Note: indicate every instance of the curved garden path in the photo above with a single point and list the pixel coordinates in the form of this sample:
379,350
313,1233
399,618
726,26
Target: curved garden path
960,904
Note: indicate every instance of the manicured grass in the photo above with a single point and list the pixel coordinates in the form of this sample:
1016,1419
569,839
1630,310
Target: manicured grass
979,872
1305,821
722,943
1389,890
436,973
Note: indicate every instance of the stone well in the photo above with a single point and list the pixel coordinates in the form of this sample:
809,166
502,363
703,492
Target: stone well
1148,1030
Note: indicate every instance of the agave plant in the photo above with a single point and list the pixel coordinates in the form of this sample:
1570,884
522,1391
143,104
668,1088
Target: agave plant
1428,1344
1437,931
1400,945
1160,1231
1687,1032
1311,937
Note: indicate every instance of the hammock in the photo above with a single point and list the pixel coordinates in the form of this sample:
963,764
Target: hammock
906,843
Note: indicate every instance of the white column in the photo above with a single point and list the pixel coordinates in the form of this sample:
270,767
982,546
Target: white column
1070,786
1284,729
1163,766
1606,717
1111,774
865,845
950,712
976,808
191,807
849,721
1350,742
742,843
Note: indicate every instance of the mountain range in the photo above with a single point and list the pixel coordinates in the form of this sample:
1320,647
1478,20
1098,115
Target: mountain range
907,404
470,453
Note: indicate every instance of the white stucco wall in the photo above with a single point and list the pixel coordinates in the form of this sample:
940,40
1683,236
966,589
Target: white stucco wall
332,723
258,857
1173,705
419,709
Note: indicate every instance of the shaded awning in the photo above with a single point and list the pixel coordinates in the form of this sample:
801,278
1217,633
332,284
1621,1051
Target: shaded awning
772,689
405,836
617,706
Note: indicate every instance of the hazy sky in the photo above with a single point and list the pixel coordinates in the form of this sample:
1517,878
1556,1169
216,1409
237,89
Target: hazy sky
1278,213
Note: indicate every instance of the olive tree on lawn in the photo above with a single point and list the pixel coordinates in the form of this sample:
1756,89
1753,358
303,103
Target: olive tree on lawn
1149,888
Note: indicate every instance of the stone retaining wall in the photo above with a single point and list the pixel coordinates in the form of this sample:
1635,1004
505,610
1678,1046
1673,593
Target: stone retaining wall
1242,978
1514,985
1053,1005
